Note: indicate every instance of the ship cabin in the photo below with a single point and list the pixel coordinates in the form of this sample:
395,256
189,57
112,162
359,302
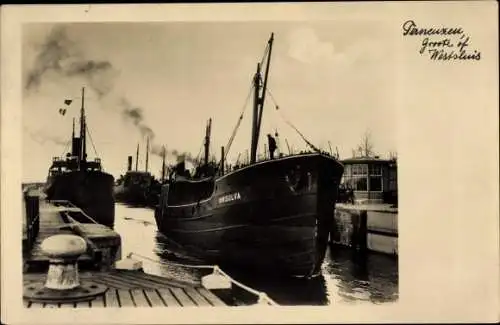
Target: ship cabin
371,179
60,165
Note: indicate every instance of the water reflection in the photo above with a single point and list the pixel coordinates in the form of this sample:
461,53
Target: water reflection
353,277
346,278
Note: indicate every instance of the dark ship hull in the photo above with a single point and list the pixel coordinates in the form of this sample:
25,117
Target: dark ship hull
91,191
134,194
138,188
272,216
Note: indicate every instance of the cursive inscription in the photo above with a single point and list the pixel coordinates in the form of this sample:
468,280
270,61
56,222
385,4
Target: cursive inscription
411,29
442,43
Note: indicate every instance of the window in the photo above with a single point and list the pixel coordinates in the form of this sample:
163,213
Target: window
375,170
359,169
359,183
375,183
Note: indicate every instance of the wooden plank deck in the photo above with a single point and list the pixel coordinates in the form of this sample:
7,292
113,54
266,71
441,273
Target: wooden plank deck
117,298
135,289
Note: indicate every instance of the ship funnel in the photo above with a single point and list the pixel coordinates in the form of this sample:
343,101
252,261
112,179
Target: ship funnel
129,167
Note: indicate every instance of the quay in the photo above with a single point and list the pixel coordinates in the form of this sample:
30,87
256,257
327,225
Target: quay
366,227
68,264
369,222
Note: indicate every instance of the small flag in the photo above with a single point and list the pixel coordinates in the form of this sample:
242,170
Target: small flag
62,111
68,101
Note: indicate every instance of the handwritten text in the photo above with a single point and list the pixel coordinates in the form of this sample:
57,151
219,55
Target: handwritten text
442,43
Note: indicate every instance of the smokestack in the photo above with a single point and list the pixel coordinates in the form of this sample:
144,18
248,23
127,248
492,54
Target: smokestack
129,167
147,153
137,157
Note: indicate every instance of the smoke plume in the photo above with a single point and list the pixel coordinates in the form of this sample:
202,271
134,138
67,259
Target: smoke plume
42,137
59,56
136,116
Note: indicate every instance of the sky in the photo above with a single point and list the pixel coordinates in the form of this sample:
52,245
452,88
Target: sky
331,80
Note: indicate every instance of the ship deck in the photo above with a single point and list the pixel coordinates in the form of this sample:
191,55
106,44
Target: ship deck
134,289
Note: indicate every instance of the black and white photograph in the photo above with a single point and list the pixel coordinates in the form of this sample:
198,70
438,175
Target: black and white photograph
188,162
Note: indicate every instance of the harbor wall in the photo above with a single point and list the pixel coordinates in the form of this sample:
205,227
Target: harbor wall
366,228
30,216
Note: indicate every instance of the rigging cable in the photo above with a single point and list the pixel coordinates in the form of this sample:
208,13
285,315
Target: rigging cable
65,148
291,125
91,141
231,139
264,55
198,157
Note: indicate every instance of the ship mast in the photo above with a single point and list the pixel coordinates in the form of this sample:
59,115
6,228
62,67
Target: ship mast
82,157
259,98
163,164
207,140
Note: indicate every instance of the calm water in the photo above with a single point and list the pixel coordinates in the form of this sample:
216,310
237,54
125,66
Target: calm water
345,279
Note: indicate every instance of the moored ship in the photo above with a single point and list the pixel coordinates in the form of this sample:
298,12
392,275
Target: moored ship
82,182
137,187
273,215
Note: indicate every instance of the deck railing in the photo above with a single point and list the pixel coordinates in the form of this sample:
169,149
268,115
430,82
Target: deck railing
32,210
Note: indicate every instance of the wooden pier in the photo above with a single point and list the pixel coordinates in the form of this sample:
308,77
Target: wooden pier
104,243
134,289
125,288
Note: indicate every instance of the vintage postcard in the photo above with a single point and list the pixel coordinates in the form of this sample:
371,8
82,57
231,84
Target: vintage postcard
250,163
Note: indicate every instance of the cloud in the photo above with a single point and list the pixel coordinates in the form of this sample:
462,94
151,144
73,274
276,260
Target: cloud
306,47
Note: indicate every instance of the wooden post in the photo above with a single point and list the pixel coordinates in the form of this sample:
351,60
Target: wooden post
363,232
360,231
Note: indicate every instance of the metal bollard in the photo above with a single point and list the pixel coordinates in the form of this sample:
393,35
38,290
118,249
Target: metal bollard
62,284
63,251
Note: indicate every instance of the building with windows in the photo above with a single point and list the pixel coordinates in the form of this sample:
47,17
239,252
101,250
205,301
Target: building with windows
373,180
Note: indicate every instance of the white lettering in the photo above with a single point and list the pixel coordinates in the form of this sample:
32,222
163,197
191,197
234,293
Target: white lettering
229,197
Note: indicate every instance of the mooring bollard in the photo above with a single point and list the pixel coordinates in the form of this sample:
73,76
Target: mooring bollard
62,283
63,251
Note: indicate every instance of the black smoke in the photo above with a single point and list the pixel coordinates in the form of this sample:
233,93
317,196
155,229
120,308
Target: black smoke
135,115
59,57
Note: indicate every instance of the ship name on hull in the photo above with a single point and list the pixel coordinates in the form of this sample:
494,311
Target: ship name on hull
229,198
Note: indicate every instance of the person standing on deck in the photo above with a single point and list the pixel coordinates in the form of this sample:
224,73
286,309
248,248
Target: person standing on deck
272,145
